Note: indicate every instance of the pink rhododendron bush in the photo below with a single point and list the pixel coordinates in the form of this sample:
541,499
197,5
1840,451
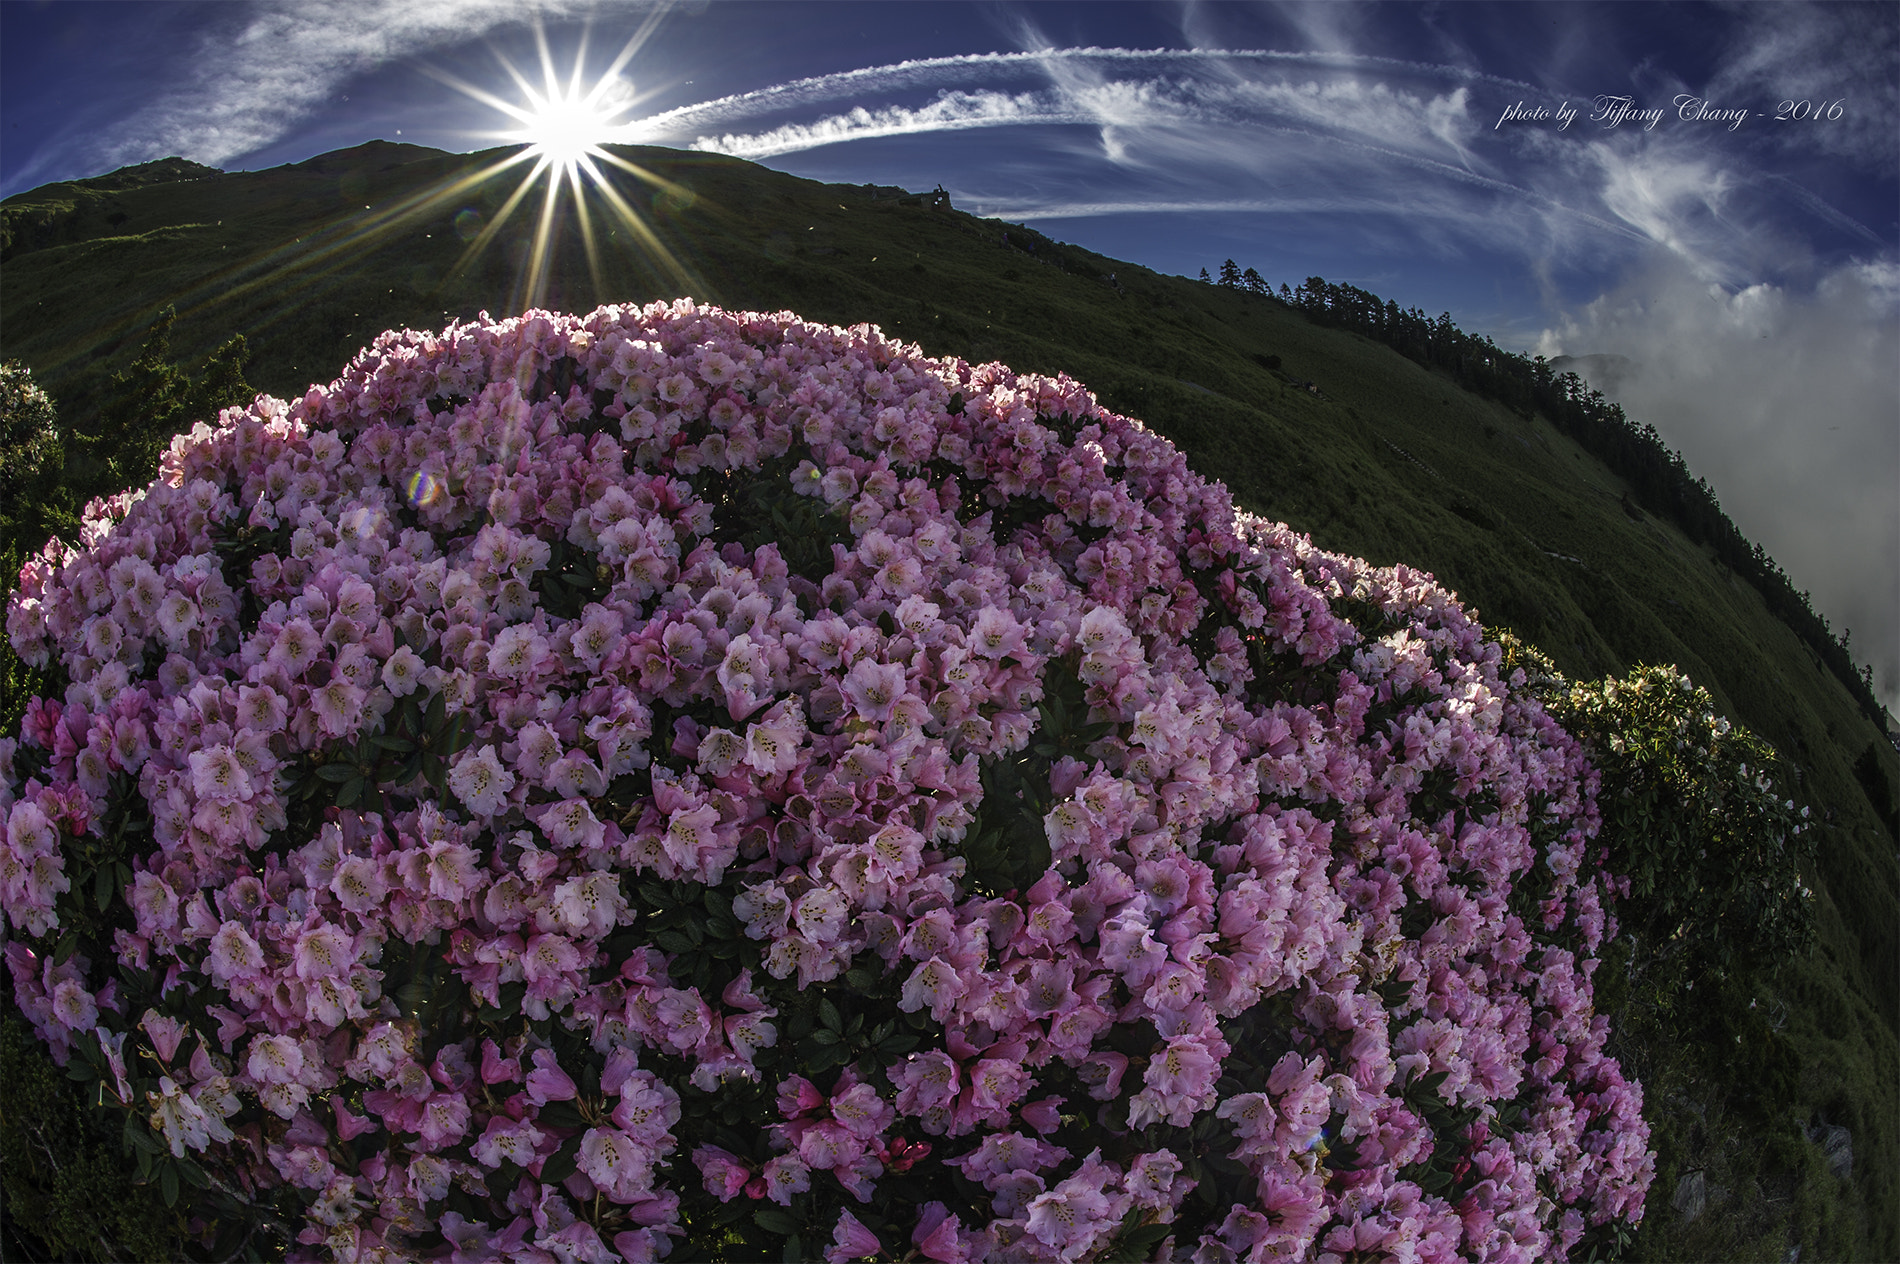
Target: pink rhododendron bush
674,781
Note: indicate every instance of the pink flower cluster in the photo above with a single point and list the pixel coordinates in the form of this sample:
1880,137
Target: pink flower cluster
1352,825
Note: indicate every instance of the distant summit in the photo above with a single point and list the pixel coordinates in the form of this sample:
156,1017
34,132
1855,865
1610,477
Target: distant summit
162,171
68,211
375,155
138,176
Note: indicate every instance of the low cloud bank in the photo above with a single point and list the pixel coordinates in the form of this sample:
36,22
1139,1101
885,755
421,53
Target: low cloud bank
1789,404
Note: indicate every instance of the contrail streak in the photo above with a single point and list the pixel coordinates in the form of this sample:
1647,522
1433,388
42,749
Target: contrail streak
930,71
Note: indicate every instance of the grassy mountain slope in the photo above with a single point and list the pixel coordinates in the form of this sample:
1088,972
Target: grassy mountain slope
1382,458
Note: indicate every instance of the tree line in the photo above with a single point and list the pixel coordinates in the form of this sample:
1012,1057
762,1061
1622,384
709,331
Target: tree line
1659,478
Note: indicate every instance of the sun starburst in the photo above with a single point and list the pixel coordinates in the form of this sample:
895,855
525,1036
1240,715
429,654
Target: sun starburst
564,125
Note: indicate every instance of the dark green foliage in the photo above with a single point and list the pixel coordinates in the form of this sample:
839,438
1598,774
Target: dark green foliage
415,745
1007,847
1698,985
572,578
1873,779
146,404
754,508
64,1175
1695,815
32,506
30,457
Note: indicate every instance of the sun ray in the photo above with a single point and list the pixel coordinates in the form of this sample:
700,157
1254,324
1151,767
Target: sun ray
303,267
565,123
541,253
635,222
494,225
327,253
587,229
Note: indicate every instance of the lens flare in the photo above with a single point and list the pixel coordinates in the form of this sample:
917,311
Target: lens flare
423,489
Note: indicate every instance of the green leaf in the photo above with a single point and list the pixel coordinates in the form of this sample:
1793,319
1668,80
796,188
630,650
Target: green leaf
828,1015
168,1184
1138,1244
561,1164
337,772
775,1220
349,792
140,1139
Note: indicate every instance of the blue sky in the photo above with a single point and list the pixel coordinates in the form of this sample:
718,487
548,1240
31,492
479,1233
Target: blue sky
1748,267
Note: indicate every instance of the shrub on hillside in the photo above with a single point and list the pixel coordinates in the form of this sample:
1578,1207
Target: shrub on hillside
116,440
30,458
1695,817
679,781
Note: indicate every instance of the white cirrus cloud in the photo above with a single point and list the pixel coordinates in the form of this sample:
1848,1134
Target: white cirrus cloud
253,80
1819,54
1190,127
951,111
964,69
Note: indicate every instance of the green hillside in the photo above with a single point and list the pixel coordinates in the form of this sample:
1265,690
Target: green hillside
1379,457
